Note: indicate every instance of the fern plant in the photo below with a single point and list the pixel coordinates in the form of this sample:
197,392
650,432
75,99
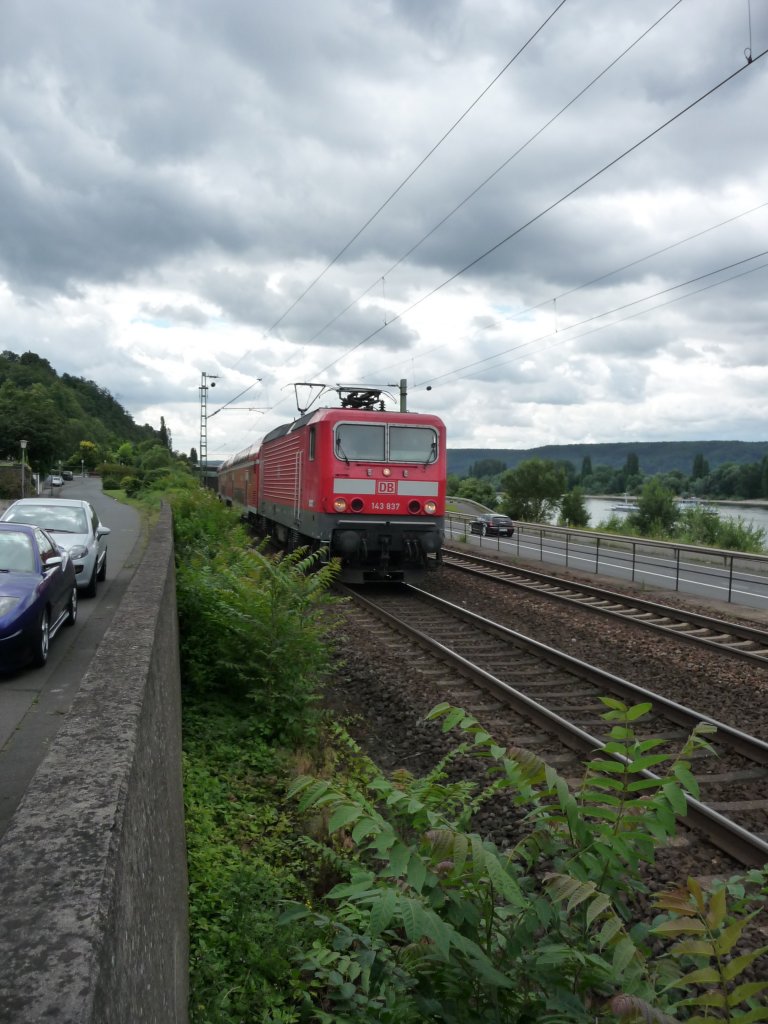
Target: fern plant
250,623
431,914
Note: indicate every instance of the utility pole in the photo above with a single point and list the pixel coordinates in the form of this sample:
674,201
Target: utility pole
203,453
23,467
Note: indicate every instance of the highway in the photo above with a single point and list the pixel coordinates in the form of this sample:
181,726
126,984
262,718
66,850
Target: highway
705,577
33,702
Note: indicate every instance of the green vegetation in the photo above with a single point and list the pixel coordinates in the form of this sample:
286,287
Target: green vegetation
660,518
253,658
250,623
64,419
533,491
428,921
657,458
391,909
538,491
742,480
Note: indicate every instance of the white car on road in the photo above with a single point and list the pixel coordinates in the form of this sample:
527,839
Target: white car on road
74,525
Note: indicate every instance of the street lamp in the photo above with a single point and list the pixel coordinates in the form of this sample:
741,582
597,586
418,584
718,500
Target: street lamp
23,466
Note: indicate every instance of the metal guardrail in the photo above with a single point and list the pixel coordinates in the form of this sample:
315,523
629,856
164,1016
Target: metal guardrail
633,558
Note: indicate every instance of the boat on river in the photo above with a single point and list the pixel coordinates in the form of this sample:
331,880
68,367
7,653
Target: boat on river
691,503
628,505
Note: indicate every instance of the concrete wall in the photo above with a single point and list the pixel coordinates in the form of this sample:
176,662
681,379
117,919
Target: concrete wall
93,911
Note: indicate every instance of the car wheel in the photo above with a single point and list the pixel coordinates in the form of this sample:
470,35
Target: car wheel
42,641
484,530
90,590
72,608
103,570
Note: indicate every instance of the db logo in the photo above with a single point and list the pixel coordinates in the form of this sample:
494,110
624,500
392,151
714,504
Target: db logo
385,486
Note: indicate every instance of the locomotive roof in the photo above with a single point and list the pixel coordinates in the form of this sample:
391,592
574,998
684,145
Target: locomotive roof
344,414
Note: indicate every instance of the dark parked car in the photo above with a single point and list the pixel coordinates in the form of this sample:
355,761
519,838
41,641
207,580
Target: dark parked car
38,593
497,526
67,474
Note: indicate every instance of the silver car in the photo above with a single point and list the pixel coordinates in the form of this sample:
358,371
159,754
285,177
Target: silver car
74,525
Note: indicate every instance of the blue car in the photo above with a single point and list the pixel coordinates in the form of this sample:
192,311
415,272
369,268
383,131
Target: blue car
38,594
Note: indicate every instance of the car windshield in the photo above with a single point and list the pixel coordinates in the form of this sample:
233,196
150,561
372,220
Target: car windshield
16,553
50,517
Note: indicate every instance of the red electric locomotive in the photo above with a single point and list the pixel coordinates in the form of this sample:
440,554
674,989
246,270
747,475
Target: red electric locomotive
367,484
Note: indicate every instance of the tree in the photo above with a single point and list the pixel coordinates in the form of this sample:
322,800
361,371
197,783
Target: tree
724,481
124,453
89,454
573,509
630,478
750,480
480,491
165,435
156,457
487,467
675,480
534,490
586,468
30,414
700,467
658,509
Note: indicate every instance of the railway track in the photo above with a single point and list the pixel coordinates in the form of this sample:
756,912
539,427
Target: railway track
732,638
556,695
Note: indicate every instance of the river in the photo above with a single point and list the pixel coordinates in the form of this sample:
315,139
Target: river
757,515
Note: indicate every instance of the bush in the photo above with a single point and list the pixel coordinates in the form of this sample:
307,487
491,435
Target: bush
251,624
431,922
131,485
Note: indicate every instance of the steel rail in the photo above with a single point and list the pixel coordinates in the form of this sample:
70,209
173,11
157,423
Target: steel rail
738,842
726,636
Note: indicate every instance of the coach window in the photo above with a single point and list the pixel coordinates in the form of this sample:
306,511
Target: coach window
412,444
360,442
312,442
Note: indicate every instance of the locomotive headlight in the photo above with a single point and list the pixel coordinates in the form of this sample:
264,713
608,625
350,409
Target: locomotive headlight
340,504
386,471
430,508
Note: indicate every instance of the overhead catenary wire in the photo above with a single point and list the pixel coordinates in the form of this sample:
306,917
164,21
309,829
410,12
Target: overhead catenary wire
397,316
399,187
552,300
498,170
609,312
416,169
558,337
542,213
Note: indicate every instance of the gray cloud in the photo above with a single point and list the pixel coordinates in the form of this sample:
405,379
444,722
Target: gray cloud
173,178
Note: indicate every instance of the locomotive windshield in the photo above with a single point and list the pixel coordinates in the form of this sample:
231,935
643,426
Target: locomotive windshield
378,442
412,444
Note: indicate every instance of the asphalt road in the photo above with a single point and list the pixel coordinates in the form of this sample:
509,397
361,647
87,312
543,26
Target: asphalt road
33,702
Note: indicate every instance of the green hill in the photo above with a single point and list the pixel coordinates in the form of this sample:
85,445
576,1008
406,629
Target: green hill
54,414
654,456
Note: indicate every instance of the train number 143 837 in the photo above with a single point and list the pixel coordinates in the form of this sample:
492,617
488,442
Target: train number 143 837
384,506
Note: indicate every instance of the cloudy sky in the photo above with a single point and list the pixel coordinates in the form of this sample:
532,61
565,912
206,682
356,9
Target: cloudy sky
550,218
